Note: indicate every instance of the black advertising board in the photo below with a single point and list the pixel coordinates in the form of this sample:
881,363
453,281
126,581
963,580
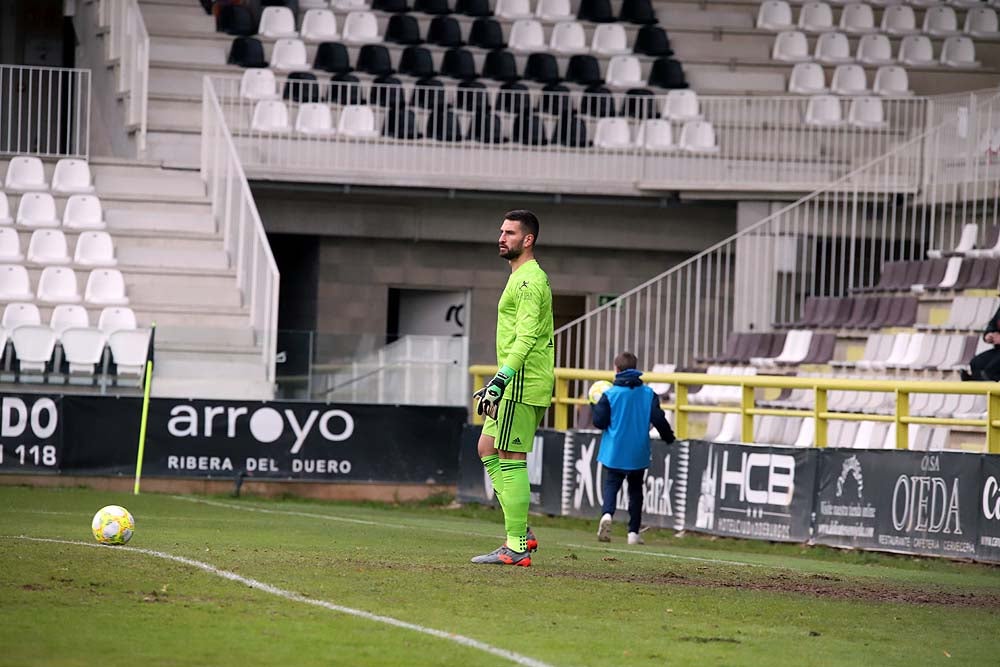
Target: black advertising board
30,434
907,502
750,491
988,545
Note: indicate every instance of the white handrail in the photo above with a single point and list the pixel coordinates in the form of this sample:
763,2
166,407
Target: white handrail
243,232
128,43
44,111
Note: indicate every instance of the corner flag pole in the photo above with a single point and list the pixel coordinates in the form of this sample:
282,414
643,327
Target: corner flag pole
145,409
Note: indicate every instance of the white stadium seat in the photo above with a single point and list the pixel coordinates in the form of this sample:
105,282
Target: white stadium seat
925,3
25,173
849,80
314,118
554,10
891,81
259,84
351,5
807,79
48,246
37,209
57,284
681,105
83,212
833,48
5,218
866,113
916,50
360,28
899,20
816,17
10,245
513,9
790,46
857,18
875,50
68,316
526,36
568,37
94,249
982,22
83,349
613,134
128,350
357,120
289,55
20,314
610,39
698,136
105,287
319,25
940,22
824,111
72,176
655,136
116,318
775,15
14,283
624,72
959,52
33,345
277,23
270,116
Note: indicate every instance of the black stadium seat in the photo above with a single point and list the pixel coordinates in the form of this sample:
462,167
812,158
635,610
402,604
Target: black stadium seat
597,101
638,11
428,94
471,95
207,5
391,6
598,11
443,125
432,6
301,87
501,66
247,52
416,61
652,40
445,31
387,91
403,29
476,8
667,73
236,20
511,97
458,64
570,131
346,89
542,67
639,103
555,99
332,57
530,130
583,69
374,59
486,34
485,127
400,123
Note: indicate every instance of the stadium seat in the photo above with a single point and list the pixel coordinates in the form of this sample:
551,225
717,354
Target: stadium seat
443,125
807,79
401,123
10,245
25,174
982,22
33,346
57,284
500,66
875,50
247,52
357,121
236,20
315,119
374,59
866,113
526,36
652,40
833,48
403,29
959,52
698,136
597,101
899,20
816,17
429,93
319,25
529,129
387,91
445,31
332,57
941,21
289,55
20,314
513,9
360,28
511,97
857,19
105,287
416,61
568,38
790,46
471,96
849,80
542,67
639,103
557,101
637,11
459,64
486,34
891,81
277,23
391,6
916,50
966,242
350,5
597,11
824,111
681,106
68,316
72,177
258,84
554,10
584,70
624,72
48,246
270,116
485,127
655,136
474,8
610,40
301,87
83,350
37,209
129,349
83,212
667,73
775,15
5,218
432,7
96,249
116,318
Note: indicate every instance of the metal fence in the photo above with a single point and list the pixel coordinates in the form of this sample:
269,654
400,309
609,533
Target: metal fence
610,143
243,233
44,111
128,44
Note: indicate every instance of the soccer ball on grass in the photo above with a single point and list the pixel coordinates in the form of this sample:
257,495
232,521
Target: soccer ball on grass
113,525
597,390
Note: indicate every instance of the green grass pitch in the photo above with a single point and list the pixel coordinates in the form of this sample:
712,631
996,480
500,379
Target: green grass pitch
678,600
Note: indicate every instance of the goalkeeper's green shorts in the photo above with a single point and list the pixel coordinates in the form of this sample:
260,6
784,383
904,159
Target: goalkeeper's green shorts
514,428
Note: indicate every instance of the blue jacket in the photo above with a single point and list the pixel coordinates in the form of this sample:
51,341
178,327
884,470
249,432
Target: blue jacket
624,413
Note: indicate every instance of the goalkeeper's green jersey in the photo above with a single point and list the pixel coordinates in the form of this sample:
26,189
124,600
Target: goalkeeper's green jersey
524,335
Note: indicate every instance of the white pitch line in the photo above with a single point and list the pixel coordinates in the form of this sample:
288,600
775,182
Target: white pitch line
462,640
660,554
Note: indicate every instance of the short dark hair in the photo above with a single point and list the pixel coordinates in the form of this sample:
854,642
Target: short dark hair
527,219
626,361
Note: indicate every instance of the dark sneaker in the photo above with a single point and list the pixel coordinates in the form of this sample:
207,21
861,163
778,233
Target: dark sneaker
532,540
504,556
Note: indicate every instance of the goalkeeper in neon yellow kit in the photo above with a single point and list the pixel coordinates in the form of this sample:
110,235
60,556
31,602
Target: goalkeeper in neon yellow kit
516,398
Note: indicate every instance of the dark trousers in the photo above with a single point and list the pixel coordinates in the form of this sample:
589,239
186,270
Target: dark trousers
986,365
613,478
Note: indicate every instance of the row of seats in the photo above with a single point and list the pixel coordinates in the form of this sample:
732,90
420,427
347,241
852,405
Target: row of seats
38,209
67,316
58,284
810,79
834,48
967,313
919,351
862,112
26,173
49,246
859,19
968,240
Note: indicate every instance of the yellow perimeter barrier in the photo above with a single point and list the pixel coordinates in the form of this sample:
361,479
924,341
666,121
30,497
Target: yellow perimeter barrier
748,410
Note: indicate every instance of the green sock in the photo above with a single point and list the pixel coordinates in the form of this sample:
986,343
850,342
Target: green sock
517,497
492,465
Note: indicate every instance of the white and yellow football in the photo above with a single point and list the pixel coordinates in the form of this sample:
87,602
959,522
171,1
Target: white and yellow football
597,390
113,525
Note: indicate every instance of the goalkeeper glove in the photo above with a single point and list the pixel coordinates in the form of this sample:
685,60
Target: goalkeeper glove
488,398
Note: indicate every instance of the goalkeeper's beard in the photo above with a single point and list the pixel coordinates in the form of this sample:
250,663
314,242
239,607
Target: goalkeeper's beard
511,254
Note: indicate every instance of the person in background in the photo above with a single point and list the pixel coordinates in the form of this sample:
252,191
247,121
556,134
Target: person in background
624,413
986,364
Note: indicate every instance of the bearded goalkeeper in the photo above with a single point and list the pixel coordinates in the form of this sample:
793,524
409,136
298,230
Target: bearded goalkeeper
516,399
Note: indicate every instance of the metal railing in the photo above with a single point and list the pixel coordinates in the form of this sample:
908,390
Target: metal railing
557,141
128,44
243,233
564,399
44,111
